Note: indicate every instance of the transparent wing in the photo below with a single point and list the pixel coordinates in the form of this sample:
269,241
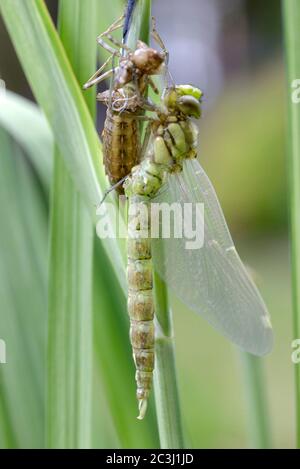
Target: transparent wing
211,279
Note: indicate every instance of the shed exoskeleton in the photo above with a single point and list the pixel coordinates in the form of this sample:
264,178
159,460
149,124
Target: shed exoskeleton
126,100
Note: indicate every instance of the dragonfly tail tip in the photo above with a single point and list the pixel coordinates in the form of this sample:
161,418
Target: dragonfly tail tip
142,409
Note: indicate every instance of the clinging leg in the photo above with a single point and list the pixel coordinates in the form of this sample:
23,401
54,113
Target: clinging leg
153,85
158,39
156,36
98,79
107,34
146,139
91,80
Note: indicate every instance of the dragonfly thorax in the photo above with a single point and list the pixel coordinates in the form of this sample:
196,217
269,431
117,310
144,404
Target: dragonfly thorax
172,143
145,179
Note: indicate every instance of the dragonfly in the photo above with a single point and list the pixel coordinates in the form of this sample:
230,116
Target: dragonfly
126,100
211,280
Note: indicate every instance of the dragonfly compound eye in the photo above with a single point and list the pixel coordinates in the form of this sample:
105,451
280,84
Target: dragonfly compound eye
190,106
189,90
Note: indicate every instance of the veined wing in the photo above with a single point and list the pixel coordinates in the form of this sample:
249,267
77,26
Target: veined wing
211,280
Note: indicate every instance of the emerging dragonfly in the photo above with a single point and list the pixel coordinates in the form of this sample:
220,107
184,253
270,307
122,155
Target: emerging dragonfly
126,100
212,280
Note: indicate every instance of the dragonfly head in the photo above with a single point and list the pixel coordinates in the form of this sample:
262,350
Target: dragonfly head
185,99
147,60
143,61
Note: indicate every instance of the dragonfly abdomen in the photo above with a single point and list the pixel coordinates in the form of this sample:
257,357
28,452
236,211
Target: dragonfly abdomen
174,138
121,145
140,300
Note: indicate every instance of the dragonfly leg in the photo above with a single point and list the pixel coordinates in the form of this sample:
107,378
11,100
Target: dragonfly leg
112,80
145,103
143,118
98,78
91,81
156,36
148,105
146,137
110,189
153,85
107,35
114,26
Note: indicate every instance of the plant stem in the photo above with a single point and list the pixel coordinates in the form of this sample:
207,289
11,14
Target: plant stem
70,289
291,10
140,23
70,318
59,94
165,380
258,418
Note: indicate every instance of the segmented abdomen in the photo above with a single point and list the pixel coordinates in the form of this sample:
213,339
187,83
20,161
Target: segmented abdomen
121,145
140,297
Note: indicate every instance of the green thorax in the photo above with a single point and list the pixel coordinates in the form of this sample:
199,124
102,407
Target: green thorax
174,139
172,142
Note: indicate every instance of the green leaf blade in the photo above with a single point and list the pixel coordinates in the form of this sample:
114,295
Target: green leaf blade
58,92
23,279
291,18
70,291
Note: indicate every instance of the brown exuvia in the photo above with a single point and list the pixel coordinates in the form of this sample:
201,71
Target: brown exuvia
126,100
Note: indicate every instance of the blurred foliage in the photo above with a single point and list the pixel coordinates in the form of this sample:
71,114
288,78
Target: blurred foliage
243,151
264,20
23,272
115,334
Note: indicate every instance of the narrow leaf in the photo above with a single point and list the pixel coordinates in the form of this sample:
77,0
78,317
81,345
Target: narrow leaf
23,258
70,307
25,122
291,10
58,92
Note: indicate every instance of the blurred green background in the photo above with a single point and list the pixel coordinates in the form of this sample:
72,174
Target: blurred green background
233,50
